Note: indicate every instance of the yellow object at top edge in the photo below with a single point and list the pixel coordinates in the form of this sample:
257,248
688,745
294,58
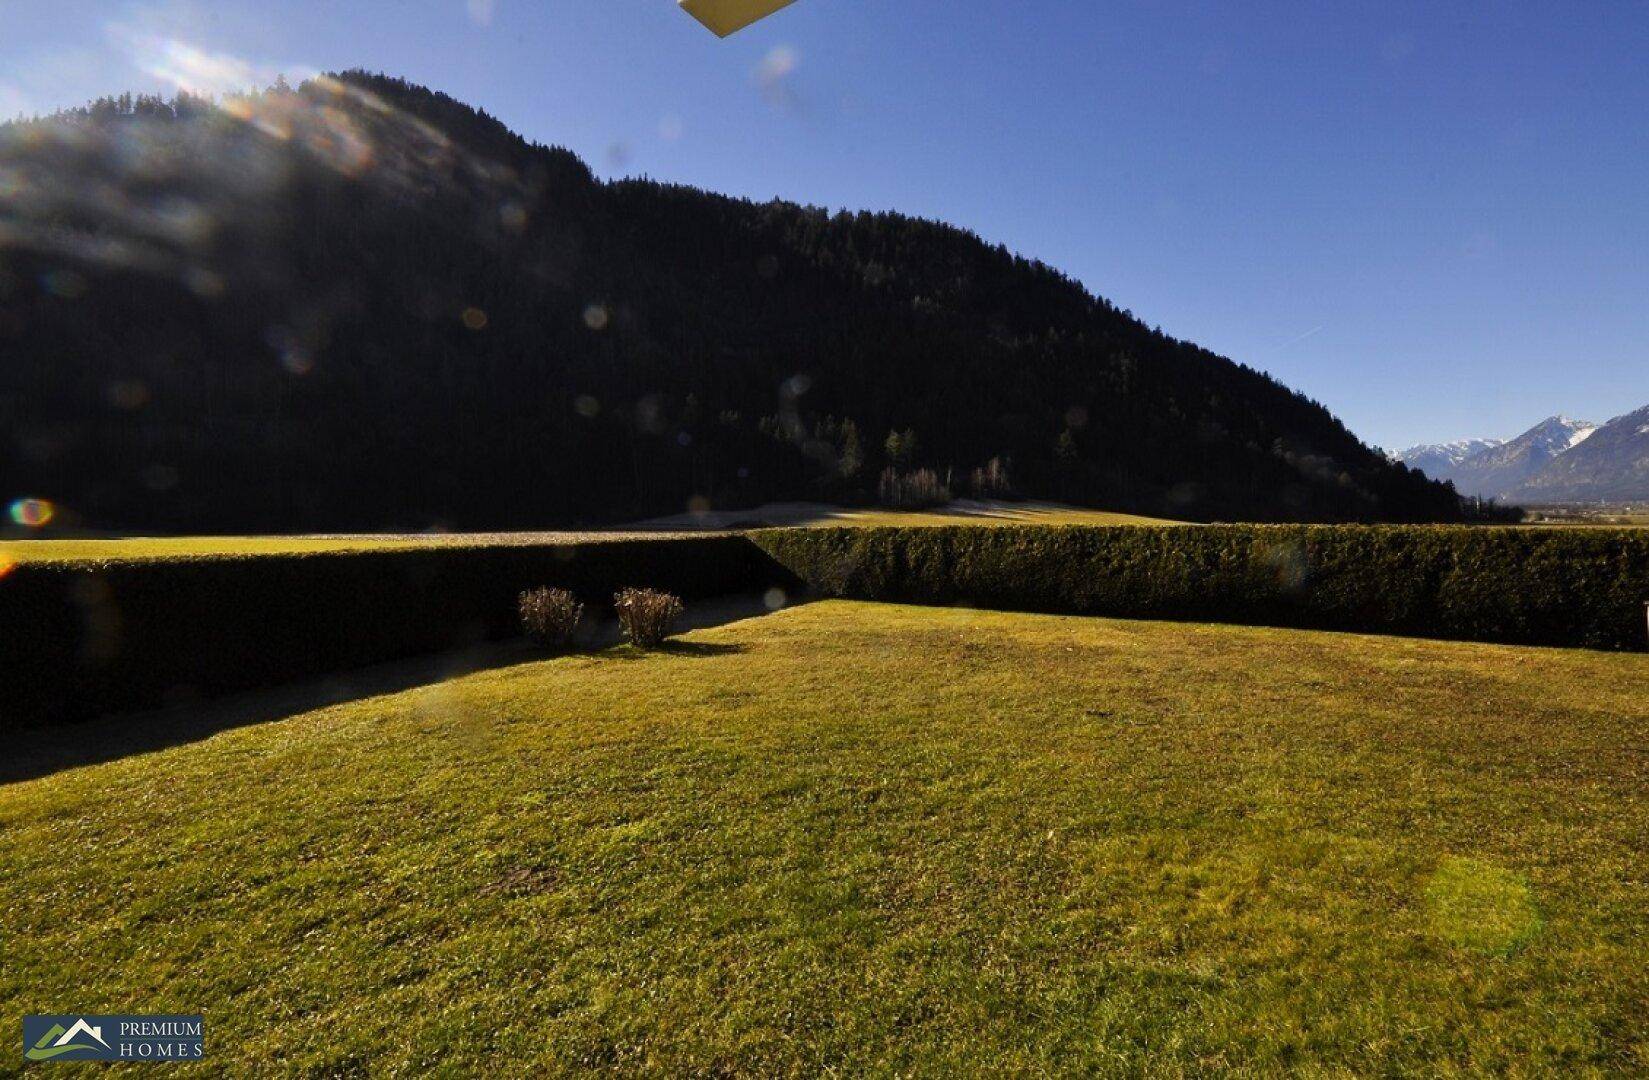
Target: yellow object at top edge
724,17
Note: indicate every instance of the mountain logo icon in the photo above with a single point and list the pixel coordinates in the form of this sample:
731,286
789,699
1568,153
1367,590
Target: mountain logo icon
59,1040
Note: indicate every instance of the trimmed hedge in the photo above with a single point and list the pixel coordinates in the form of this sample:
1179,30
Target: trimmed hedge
1574,587
81,639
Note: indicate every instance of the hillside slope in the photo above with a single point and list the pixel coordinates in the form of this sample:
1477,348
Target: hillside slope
1611,465
360,304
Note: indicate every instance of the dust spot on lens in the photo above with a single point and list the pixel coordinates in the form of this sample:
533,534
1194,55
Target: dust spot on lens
1290,563
475,318
127,394
774,598
204,283
647,414
596,317
160,477
64,284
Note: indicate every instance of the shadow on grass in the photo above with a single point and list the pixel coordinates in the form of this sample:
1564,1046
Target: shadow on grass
699,648
671,648
40,752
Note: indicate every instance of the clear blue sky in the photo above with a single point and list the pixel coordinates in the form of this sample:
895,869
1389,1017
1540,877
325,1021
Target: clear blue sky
1432,217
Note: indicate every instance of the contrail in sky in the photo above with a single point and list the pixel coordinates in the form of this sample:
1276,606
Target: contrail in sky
1315,330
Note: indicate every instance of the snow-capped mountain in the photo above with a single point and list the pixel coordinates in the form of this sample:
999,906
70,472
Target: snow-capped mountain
1494,473
1559,460
1439,460
1610,465
1491,468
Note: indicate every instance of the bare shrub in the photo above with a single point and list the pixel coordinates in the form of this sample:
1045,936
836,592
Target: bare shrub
912,490
647,615
991,481
550,616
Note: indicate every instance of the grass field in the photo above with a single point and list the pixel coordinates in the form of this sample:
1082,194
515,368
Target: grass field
1604,516
880,839
780,514
153,547
959,512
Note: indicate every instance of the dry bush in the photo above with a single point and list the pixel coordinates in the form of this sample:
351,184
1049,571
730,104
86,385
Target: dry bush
647,615
991,481
912,490
550,616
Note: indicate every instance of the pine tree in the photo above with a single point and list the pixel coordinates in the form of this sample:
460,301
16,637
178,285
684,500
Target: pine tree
901,447
1065,453
851,458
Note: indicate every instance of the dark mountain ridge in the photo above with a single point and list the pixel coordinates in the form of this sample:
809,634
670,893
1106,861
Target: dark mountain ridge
362,304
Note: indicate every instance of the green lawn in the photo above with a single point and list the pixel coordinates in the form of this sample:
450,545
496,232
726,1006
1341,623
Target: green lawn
865,838
153,547
959,512
780,514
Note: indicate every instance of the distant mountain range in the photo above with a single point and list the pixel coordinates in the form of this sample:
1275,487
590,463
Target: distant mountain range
1559,460
1439,460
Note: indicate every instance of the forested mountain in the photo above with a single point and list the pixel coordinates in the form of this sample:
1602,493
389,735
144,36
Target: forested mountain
362,304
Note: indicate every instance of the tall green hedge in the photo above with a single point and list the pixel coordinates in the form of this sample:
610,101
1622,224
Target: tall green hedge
81,639
1578,587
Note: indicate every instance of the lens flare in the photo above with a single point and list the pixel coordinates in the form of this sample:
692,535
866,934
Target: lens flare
32,513
64,284
127,394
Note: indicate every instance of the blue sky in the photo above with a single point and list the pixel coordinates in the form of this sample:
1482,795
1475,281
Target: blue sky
1434,218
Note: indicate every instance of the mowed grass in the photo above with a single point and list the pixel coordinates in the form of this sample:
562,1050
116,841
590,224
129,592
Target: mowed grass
957,512
1008,515
860,838
66,549
163,547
